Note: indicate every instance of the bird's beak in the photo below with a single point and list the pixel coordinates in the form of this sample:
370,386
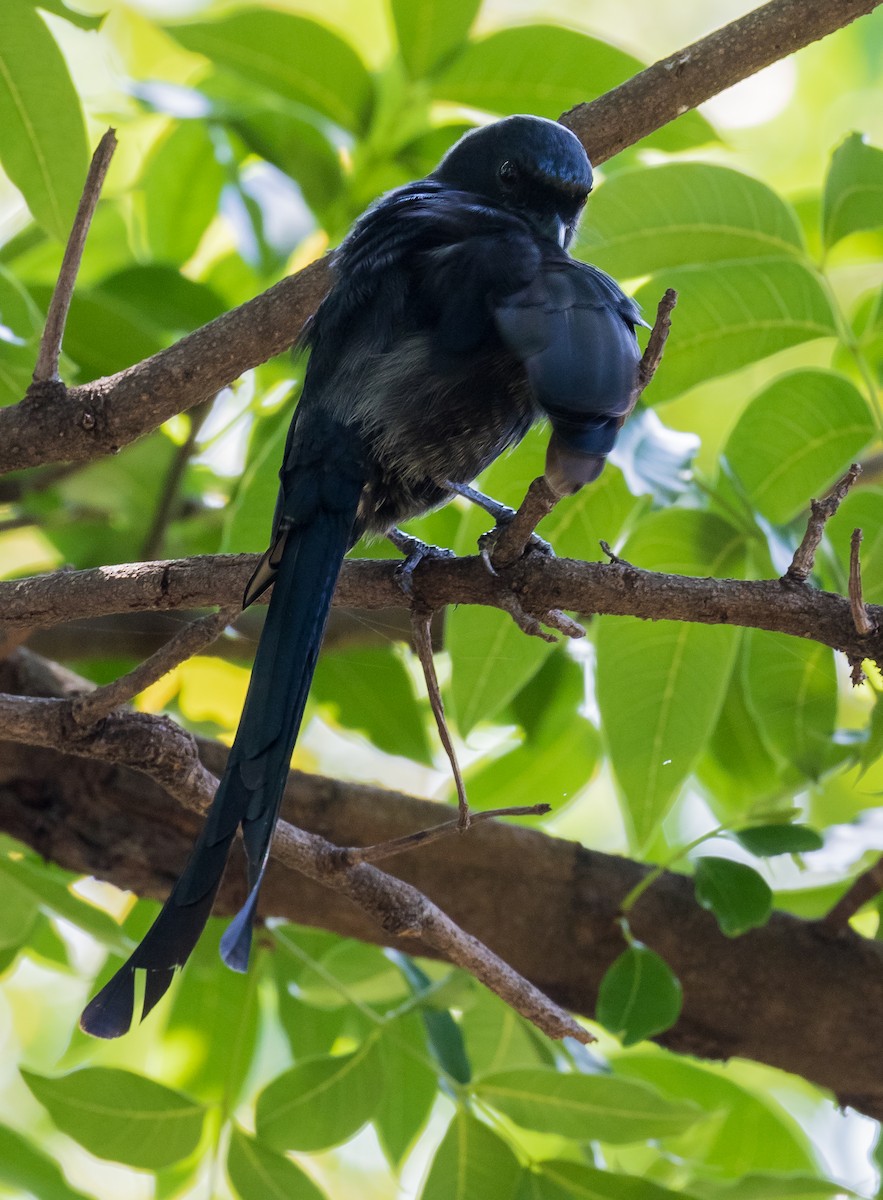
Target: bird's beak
554,228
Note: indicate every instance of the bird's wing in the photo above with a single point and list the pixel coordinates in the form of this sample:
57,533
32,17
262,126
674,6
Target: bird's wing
573,328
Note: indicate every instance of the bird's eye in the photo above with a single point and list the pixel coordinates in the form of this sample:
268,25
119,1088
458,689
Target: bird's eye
509,173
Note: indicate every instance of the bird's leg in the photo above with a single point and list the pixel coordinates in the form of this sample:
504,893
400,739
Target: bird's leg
502,515
415,551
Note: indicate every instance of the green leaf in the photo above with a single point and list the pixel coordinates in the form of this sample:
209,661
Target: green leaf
584,1106
795,438
249,515
651,219
554,1179
472,1163
320,1102
357,971
182,189
853,190
431,31
404,1107
759,1186
24,1166
299,59
49,887
730,314
259,1173
212,1007
660,685
791,691
370,690
20,319
16,371
738,772
736,894
499,74
294,146
444,1036
498,1038
766,841
872,747
43,149
747,1132
548,770
639,995
162,298
103,336
118,1115
18,913
492,661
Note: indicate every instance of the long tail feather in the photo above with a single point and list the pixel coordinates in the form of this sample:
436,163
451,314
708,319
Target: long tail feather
250,792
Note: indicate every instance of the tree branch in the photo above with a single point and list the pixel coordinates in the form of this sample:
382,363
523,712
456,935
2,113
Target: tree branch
540,583
57,424
167,754
789,994
678,83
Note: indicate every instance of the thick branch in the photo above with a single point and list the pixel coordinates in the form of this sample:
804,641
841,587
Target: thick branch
56,424
788,995
167,755
540,583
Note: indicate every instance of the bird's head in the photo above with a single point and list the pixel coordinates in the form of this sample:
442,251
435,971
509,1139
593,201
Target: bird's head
528,165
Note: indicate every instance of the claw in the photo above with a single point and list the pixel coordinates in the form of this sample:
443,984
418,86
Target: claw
488,541
415,552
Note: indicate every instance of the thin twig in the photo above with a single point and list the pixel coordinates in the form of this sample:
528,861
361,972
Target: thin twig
821,511
421,624
425,837
541,498
56,318
863,623
652,356
193,637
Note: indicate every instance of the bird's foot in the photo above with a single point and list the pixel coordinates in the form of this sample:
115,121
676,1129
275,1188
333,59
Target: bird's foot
415,552
487,543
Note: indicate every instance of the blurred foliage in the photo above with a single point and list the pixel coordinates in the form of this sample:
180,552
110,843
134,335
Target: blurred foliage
250,138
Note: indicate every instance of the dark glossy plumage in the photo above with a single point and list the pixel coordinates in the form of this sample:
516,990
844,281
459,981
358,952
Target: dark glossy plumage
456,320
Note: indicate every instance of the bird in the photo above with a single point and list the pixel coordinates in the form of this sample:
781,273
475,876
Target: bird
456,320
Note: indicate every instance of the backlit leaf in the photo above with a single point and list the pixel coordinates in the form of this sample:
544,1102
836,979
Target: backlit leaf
646,220
43,149
118,1115
320,1102
298,58
733,313
431,31
259,1173
472,1163
25,1166
585,1106
795,438
661,684
853,190
790,687
498,73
